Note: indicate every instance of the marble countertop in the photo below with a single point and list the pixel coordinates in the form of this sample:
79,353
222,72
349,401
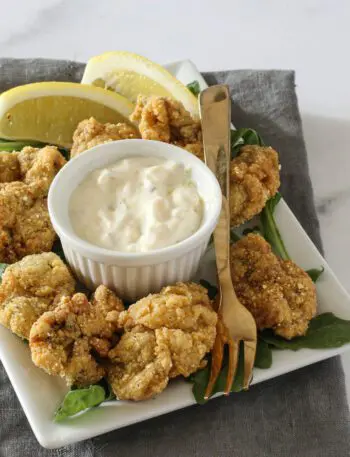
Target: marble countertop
310,36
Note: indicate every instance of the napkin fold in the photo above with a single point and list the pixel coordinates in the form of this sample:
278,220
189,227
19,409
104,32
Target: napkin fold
301,414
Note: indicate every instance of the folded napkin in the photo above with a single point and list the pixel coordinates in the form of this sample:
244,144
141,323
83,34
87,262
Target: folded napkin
301,414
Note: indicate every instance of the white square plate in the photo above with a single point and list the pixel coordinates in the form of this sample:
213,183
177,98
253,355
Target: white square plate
41,394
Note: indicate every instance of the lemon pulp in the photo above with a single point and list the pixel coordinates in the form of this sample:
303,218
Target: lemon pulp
31,118
131,84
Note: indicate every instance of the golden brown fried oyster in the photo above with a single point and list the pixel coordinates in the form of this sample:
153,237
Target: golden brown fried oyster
165,119
278,293
25,178
70,340
90,133
254,178
179,327
9,167
29,288
141,365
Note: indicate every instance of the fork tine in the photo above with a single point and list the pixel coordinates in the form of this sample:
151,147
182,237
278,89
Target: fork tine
249,358
233,347
217,355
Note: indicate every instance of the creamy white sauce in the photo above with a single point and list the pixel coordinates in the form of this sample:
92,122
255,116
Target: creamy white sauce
137,205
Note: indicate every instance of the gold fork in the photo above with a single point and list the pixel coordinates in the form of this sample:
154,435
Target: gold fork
235,324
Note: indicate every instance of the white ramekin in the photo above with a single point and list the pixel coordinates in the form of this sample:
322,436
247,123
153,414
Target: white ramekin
132,275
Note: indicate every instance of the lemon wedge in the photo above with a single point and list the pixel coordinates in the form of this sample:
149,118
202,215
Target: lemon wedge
130,75
50,111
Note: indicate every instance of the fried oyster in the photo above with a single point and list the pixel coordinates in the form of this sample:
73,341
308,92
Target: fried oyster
30,287
141,365
25,178
70,340
175,328
254,178
254,173
90,133
278,293
165,119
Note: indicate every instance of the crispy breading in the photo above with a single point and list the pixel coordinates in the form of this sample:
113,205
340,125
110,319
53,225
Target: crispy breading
278,293
25,226
29,288
39,166
180,326
254,172
165,119
69,340
141,365
254,178
9,167
184,306
90,133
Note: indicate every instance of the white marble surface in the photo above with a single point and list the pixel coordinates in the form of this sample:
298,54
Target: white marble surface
310,36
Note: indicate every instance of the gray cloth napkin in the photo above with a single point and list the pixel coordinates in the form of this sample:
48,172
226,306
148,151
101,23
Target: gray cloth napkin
301,414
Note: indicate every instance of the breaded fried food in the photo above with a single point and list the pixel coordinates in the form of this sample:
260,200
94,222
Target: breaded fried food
25,178
9,167
70,340
31,287
141,365
278,293
165,119
90,133
179,327
254,178
38,167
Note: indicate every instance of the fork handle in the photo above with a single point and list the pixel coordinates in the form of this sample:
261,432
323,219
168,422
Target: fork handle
222,242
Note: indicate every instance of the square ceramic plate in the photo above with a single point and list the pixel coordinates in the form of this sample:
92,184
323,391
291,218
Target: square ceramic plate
41,394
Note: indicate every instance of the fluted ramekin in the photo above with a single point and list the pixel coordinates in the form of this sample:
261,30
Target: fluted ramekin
132,275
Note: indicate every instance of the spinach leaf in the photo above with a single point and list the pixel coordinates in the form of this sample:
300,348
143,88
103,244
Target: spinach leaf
315,273
234,236
65,152
9,146
271,234
263,356
108,390
194,88
325,331
78,400
2,269
243,136
269,227
255,229
200,379
212,290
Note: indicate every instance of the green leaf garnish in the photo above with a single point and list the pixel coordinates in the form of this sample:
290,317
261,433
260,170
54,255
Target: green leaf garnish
241,137
194,88
200,379
255,229
269,227
2,269
79,400
325,331
234,236
10,146
108,389
315,273
263,356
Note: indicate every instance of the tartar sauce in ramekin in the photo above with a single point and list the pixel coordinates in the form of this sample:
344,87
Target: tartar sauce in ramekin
136,205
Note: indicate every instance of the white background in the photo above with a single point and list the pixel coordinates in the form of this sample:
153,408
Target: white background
310,36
